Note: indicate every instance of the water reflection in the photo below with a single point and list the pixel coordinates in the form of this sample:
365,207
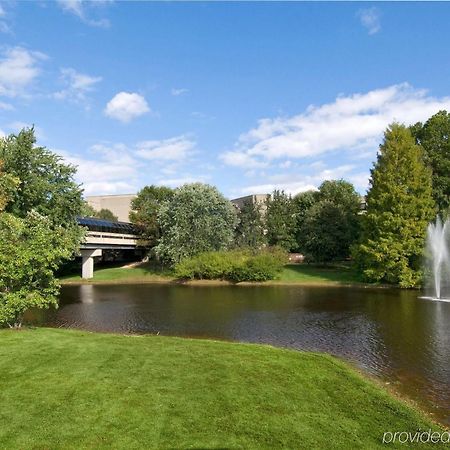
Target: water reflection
391,334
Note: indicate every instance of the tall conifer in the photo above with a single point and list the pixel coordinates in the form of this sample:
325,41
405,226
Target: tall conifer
399,207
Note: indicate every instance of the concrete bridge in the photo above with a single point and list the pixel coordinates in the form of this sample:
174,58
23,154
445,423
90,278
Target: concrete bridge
104,235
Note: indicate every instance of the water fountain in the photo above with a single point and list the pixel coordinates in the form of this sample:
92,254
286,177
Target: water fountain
438,257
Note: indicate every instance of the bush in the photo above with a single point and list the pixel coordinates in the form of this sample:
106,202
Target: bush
235,265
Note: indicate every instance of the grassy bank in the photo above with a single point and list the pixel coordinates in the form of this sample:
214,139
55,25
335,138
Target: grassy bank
291,274
71,389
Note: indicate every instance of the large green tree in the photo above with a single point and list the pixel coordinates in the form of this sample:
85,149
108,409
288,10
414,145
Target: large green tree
145,208
331,225
31,249
280,221
250,227
399,207
301,204
8,184
434,137
198,218
46,183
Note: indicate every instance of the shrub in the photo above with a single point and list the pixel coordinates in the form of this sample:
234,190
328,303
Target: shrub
235,265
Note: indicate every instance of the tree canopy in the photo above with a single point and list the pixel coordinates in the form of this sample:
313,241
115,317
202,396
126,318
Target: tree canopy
45,183
399,207
31,249
145,209
250,227
280,221
328,221
198,218
434,137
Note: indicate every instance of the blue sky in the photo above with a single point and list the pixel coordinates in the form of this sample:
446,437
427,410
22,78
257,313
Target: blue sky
246,96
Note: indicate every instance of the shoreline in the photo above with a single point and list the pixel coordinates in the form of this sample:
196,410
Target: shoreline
175,282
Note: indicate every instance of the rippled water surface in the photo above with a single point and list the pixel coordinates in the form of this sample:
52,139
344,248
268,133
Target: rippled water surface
391,334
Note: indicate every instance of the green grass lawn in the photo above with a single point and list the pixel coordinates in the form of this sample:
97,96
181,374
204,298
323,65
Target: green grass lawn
142,273
291,273
71,389
313,274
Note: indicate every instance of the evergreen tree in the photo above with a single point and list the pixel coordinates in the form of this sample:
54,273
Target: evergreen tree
434,137
399,207
280,221
250,228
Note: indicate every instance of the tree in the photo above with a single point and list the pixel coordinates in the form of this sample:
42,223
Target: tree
280,221
250,228
327,232
399,207
331,225
301,204
106,214
8,184
434,137
197,219
31,249
46,183
145,208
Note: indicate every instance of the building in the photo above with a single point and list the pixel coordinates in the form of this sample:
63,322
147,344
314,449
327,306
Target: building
119,205
259,199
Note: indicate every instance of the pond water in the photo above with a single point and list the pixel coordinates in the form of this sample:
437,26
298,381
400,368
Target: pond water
394,335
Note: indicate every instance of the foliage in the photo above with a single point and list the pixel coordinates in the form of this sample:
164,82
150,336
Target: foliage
280,221
301,204
46,183
31,249
330,225
328,231
197,219
145,209
8,184
235,265
434,137
399,207
250,227
106,214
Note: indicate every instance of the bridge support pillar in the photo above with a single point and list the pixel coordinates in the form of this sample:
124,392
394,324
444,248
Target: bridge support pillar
87,262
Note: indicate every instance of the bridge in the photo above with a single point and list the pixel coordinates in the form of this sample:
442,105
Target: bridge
104,235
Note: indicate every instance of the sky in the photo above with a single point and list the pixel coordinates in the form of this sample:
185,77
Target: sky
249,97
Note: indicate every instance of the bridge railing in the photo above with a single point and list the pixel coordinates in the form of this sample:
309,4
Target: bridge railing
102,237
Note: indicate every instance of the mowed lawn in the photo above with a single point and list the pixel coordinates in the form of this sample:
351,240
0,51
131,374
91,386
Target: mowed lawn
291,273
72,389
313,274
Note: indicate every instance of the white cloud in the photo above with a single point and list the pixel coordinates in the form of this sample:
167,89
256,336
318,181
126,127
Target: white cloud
17,126
175,182
241,159
370,19
177,148
176,92
109,169
6,106
77,85
126,106
352,123
293,184
79,9
19,67
118,168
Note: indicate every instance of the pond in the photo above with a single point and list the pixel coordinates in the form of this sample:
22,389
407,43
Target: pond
393,335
